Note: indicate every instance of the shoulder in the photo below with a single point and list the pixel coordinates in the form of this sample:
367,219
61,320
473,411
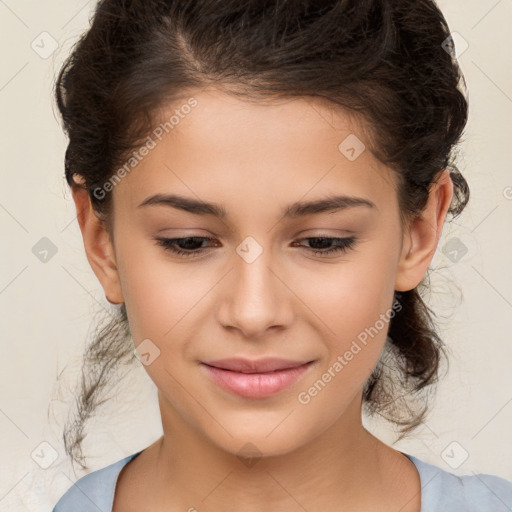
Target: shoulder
480,492
93,492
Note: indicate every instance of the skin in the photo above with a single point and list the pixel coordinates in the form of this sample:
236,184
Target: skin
254,160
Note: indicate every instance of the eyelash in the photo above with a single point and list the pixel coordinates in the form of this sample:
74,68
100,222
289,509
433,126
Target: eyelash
344,245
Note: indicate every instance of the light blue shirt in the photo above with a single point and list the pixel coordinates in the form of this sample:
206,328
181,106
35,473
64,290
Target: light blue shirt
441,491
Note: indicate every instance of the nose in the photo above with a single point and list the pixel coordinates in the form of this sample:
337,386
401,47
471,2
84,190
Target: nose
255,298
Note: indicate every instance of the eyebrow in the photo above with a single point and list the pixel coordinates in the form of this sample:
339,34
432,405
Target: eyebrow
294,210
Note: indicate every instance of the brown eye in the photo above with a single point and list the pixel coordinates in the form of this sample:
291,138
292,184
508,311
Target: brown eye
191,245
341,244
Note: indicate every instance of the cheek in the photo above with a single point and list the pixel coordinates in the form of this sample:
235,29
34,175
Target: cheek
148,290
355,311
348,297
352,305
163,298
157,299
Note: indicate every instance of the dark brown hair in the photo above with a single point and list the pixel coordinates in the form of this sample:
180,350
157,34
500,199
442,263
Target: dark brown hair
389,63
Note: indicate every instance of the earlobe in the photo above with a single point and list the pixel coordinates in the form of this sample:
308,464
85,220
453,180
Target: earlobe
423,234
98,245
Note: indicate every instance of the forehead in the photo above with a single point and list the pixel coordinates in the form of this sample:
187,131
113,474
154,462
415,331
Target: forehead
233,147
253,123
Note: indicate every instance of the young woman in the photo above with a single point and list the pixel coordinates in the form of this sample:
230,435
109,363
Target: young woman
261,187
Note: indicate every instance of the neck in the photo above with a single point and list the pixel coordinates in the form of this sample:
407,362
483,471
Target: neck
344,464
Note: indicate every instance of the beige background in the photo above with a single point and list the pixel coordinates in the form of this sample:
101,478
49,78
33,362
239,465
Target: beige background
46,308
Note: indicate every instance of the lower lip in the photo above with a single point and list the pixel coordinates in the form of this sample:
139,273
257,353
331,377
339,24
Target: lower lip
256,385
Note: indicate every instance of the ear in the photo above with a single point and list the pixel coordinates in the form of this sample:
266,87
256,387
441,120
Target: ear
422,235
98,245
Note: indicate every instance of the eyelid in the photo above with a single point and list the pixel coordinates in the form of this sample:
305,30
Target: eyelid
341,245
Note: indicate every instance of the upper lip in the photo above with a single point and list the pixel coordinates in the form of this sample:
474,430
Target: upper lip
242,365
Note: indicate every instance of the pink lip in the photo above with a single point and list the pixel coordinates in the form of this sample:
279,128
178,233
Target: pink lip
253,384
268,364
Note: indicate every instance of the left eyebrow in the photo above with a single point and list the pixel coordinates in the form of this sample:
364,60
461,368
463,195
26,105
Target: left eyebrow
324,205
294,210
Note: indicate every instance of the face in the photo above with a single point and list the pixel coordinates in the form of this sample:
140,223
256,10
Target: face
266,279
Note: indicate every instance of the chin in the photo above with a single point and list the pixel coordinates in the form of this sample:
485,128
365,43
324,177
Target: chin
258,444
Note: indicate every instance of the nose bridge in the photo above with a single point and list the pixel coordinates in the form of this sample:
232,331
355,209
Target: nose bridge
254,299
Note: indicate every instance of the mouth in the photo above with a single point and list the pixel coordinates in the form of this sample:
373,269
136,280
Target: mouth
255,380
266,365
